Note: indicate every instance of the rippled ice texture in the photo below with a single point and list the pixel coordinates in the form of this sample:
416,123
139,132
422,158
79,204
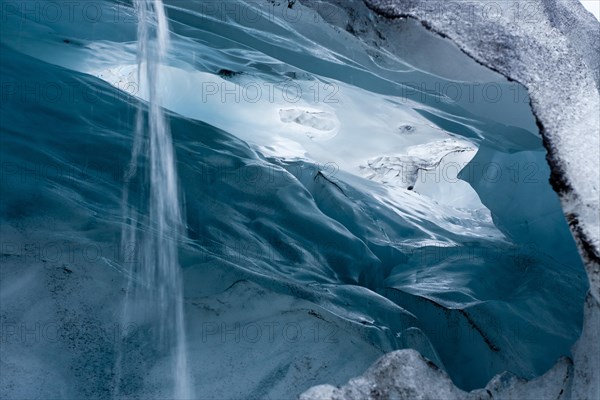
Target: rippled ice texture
340,202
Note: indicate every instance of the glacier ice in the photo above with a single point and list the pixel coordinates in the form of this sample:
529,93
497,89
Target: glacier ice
350,208
565,31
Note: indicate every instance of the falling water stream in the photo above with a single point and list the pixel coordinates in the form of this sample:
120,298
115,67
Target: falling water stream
154,297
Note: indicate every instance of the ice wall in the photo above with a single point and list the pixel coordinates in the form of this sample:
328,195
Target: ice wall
553,50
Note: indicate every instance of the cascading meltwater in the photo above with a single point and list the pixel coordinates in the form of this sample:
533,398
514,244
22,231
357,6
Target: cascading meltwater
154,290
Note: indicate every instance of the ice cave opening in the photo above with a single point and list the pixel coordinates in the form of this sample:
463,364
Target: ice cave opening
351,186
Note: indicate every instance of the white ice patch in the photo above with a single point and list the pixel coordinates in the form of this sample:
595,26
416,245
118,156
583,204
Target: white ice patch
320,125
402,170
430,169
344,126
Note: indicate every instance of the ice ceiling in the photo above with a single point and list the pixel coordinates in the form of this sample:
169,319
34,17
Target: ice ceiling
341,202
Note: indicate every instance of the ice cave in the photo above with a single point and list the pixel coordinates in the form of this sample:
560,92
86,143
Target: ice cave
299,199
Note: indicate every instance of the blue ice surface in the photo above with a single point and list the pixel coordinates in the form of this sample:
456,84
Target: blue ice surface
294,276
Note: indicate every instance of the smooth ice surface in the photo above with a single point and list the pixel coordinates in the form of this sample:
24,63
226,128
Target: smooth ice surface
341,203
564,98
